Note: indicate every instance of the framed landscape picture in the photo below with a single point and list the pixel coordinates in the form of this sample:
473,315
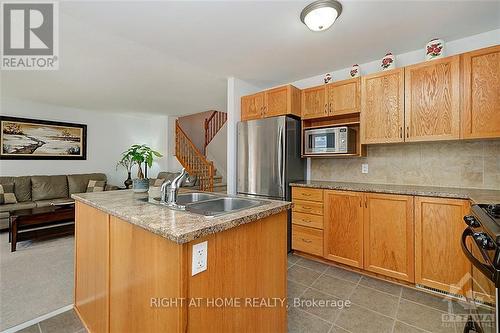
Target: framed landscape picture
33,139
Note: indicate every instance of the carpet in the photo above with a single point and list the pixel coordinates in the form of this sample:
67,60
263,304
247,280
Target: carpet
36,279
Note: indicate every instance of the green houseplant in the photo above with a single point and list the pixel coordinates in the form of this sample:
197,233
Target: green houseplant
140,154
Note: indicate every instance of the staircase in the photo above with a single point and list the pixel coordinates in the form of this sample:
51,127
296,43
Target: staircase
194,161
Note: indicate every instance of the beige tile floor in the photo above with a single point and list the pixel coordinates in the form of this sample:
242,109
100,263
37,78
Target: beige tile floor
376,306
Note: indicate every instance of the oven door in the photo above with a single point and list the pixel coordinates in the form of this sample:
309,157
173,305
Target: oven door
482,318
321,141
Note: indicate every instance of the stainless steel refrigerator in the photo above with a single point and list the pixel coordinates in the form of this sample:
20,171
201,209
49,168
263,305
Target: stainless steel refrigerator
269,159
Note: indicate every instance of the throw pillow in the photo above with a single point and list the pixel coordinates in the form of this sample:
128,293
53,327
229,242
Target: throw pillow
96,185
156,182
7,195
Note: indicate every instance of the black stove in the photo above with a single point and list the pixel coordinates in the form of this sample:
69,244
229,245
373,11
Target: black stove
483,227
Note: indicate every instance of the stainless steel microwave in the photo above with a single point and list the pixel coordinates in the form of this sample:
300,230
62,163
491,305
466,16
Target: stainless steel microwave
331,140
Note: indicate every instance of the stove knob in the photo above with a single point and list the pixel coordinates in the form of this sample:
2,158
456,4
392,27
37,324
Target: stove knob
484,241
471,221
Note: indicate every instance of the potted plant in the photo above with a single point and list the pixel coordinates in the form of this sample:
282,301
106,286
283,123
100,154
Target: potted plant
127,162
140,154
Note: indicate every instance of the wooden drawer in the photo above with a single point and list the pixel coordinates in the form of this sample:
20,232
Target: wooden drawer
308,207
308,240
307,220
310,194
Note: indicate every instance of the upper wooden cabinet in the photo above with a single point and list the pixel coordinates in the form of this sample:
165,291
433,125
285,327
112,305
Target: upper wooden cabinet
343,227
314,104
274,102
382,107
481,93
343,97
439,260
252,106
432,100
337,98
389,236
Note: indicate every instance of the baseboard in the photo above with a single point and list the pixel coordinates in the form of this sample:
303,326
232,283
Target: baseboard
38,319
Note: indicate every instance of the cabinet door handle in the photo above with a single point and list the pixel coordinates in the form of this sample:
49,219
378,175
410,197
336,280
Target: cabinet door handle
330,107
360,204
326,108
401,132
306,240
366,202
407,131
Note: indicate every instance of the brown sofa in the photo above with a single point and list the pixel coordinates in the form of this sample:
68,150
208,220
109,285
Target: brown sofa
41,191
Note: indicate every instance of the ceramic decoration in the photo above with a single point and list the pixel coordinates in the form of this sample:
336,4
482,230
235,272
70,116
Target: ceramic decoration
354,70
327,78
388,62
434,49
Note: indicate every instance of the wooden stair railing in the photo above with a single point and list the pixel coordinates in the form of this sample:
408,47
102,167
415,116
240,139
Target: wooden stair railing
212,126
193,160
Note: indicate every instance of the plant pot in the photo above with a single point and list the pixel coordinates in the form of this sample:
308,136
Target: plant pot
128,182
140,185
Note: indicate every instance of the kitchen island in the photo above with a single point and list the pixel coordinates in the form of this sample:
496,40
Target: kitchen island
134,267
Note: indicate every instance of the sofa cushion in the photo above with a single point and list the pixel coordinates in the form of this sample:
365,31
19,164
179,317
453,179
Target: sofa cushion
45,203
22,186
49,187
78,183
7,195
96,186
19,205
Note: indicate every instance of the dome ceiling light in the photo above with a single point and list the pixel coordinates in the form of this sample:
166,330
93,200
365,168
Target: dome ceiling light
321,14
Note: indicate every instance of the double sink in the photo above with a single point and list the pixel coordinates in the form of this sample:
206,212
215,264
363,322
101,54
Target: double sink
210,205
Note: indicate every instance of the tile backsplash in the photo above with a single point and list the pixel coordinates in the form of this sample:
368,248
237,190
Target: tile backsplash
470,164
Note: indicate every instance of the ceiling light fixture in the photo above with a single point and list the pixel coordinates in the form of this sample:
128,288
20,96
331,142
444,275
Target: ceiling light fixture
321,14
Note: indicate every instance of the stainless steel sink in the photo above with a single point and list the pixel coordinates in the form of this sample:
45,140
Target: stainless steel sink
187,198
222,205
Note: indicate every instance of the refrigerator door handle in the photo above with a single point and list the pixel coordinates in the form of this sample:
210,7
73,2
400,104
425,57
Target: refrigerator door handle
280,159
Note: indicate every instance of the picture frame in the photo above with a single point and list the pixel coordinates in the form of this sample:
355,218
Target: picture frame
35,139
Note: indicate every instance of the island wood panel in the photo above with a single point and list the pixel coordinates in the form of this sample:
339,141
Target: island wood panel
343,97
92,267
389,236
483,289
314,103
252,106
481,93
439,260
432,100
382,107
144,266
239,260
343,227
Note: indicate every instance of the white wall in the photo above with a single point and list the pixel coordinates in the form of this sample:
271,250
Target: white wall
235,89
108,135
458,46
217,151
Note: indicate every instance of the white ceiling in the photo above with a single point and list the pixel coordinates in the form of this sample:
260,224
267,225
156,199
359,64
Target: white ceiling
174,57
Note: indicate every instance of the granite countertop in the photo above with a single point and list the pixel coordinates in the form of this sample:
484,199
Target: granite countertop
477,196
177,226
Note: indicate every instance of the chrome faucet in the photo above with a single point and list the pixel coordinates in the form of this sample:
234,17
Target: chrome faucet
169,190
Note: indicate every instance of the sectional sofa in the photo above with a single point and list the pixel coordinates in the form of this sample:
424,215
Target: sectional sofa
41,191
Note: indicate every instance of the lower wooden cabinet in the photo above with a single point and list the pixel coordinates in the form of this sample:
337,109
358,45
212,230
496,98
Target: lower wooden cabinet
439,259
308,240
389,236
343,227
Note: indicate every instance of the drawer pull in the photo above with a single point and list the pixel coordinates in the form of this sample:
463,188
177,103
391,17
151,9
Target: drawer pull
306,194
305,220
306,240
306,207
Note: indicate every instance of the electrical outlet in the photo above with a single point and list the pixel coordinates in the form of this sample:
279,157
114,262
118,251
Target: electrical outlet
364,168
199,260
